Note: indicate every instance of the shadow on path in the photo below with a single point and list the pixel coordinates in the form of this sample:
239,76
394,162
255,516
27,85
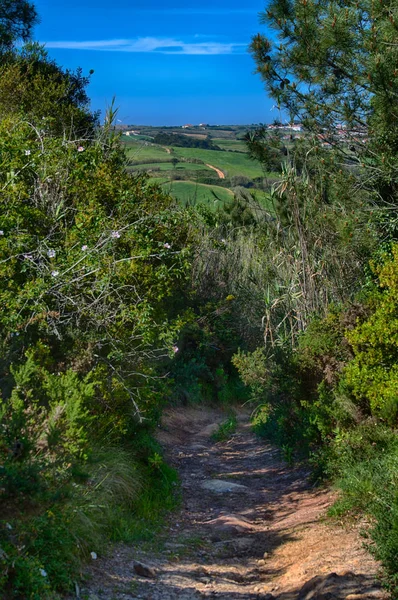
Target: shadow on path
262,539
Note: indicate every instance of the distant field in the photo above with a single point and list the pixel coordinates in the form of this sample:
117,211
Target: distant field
182,166
238,145
232,163
126,138
188,192
158,180
157,160
144,151
198,136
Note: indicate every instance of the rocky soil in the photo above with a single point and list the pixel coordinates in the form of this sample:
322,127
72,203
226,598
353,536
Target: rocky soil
250,527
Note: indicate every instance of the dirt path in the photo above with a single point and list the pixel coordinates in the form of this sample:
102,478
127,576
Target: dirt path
218,171
250,527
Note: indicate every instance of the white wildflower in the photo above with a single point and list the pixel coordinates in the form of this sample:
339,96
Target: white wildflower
93,555
175,349
43,573
115,234
80,149
54,273
84,247
27,152
51,253
167,245
1,232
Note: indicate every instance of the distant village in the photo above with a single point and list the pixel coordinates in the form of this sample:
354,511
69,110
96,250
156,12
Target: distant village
297,127
287,131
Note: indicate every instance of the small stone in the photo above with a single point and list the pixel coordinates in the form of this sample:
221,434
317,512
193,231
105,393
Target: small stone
229,524
243,543
174,546
222,487
144,571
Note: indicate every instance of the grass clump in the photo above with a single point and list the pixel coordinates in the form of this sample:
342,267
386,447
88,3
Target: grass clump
225,430
114,497
363,462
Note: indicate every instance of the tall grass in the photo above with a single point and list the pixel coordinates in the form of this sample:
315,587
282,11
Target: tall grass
118,497
365,464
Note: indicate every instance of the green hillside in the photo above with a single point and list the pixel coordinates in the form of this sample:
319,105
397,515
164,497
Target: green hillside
190,193
232,163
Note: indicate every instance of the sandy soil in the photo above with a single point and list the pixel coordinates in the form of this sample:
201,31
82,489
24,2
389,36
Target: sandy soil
218,171
250,527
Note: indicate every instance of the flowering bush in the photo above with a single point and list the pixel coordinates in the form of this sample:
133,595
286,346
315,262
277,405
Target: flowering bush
91,262
84,265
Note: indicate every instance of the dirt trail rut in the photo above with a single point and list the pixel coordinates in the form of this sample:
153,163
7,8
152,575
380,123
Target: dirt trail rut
249,527
220,173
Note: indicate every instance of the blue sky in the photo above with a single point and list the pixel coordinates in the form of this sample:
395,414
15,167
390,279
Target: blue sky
166,63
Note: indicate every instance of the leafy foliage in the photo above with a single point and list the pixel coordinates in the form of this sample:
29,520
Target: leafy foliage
184,141
324,381
225,429
36,89
17,18
92,263
372,374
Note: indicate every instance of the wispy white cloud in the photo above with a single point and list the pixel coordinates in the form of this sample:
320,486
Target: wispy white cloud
152,44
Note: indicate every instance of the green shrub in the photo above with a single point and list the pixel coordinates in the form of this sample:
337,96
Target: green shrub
373,373
364,463
225,429
93,262
114,497
44,428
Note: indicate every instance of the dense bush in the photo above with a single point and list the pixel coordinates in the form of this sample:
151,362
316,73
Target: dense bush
34,88
373,373
363,461
92,260
184,141
333,398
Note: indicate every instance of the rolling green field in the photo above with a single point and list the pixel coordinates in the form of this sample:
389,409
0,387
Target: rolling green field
141,151
180,180
237,145
188,192
232,163
182,166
